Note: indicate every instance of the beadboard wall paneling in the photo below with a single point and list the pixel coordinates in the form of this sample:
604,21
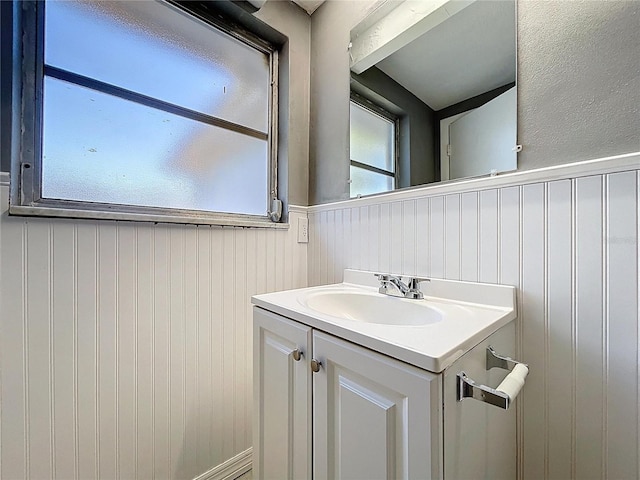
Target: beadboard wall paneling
570,245
560,321
621,325
125,348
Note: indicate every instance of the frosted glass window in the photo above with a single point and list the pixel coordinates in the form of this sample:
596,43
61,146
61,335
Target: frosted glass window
372,138
145,108
158,50
101,148
366,182
372,151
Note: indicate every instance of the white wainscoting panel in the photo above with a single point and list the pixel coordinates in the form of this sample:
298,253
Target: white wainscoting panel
570,245
125,348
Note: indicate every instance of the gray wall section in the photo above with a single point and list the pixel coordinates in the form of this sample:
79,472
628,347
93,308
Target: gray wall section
293,164
329,135
6,33
417,125
578,85
578,80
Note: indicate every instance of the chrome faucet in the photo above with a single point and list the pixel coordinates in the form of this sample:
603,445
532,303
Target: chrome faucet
411,289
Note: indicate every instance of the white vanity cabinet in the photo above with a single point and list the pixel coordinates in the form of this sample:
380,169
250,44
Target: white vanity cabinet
372,417
350,383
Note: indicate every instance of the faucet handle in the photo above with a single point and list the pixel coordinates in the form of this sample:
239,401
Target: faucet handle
414,288
384,282
414,282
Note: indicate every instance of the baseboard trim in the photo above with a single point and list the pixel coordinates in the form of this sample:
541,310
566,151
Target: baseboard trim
231,469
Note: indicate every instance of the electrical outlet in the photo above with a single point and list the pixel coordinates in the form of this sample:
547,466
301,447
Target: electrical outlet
303,230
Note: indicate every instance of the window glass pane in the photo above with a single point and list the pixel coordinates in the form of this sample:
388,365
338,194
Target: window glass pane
100,148
365,182
157,50
372,139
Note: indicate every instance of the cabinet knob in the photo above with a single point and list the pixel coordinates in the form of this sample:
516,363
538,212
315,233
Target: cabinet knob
315,365
297,354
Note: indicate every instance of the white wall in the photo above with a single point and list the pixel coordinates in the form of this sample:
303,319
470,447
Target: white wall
125,347
569,241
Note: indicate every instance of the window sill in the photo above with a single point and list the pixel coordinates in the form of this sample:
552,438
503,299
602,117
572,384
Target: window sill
195,218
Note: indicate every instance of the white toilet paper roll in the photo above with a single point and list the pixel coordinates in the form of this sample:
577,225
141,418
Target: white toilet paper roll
513,382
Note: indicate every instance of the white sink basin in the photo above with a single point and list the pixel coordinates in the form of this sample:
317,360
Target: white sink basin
431,333
372,308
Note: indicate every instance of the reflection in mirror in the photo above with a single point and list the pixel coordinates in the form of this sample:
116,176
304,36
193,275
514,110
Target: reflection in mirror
446,71
373,148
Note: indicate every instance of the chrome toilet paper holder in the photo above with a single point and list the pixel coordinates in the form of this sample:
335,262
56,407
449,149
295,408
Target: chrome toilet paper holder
503,395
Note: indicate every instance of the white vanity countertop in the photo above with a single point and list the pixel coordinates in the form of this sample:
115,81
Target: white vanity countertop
470,313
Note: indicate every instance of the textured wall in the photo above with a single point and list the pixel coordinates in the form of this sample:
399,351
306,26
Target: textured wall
571,247
578,80
126,347
578,85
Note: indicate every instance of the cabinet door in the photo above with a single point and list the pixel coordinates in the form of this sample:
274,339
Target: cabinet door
374,417
281,398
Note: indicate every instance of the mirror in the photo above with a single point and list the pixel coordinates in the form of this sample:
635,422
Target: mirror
439,78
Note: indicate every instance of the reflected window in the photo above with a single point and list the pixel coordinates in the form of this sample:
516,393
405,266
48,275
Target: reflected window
146,107
373,149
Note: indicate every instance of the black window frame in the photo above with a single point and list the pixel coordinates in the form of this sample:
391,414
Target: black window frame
29,70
